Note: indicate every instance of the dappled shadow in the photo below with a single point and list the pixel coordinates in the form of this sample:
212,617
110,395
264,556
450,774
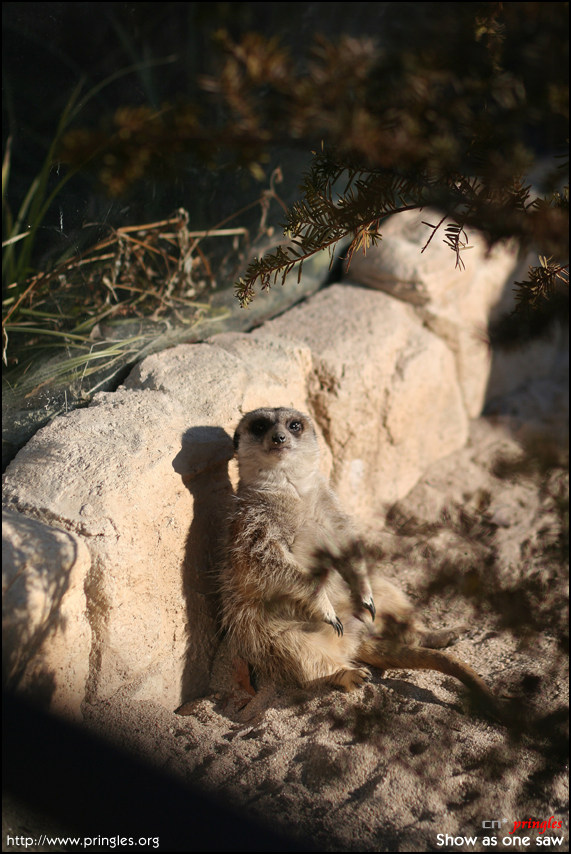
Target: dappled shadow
202,463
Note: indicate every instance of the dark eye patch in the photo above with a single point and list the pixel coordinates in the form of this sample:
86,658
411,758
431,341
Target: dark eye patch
260,426
295,426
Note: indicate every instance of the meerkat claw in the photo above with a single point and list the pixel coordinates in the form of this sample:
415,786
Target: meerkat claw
370,606
337,625
366,605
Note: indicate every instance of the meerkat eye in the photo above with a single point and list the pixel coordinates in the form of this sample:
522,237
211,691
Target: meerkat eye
258,428
296,427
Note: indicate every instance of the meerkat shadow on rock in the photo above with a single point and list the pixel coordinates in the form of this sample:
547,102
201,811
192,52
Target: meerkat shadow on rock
202,464
301,603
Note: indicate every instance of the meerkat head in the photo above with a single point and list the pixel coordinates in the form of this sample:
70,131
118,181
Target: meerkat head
274,444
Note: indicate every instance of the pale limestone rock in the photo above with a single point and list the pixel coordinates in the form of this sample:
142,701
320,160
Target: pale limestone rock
453,301
106,473
46,637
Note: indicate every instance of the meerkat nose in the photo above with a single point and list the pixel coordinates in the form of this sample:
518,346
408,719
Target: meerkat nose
278,438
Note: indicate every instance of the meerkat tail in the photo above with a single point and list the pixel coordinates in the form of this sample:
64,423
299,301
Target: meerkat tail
382,654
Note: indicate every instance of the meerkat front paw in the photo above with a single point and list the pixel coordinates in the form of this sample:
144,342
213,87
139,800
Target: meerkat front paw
363,604
336,623
327,611
362,596
369,605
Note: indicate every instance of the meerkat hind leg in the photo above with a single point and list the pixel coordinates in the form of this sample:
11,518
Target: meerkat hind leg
347,678
351,678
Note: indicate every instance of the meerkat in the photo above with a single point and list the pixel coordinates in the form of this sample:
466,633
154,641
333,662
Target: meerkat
293,617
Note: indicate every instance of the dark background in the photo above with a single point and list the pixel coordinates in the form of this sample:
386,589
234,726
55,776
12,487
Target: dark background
48,48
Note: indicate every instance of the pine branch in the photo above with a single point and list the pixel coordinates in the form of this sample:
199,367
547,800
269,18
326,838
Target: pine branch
543,283
319,220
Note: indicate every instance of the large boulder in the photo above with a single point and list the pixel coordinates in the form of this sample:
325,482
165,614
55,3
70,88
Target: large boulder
105,474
